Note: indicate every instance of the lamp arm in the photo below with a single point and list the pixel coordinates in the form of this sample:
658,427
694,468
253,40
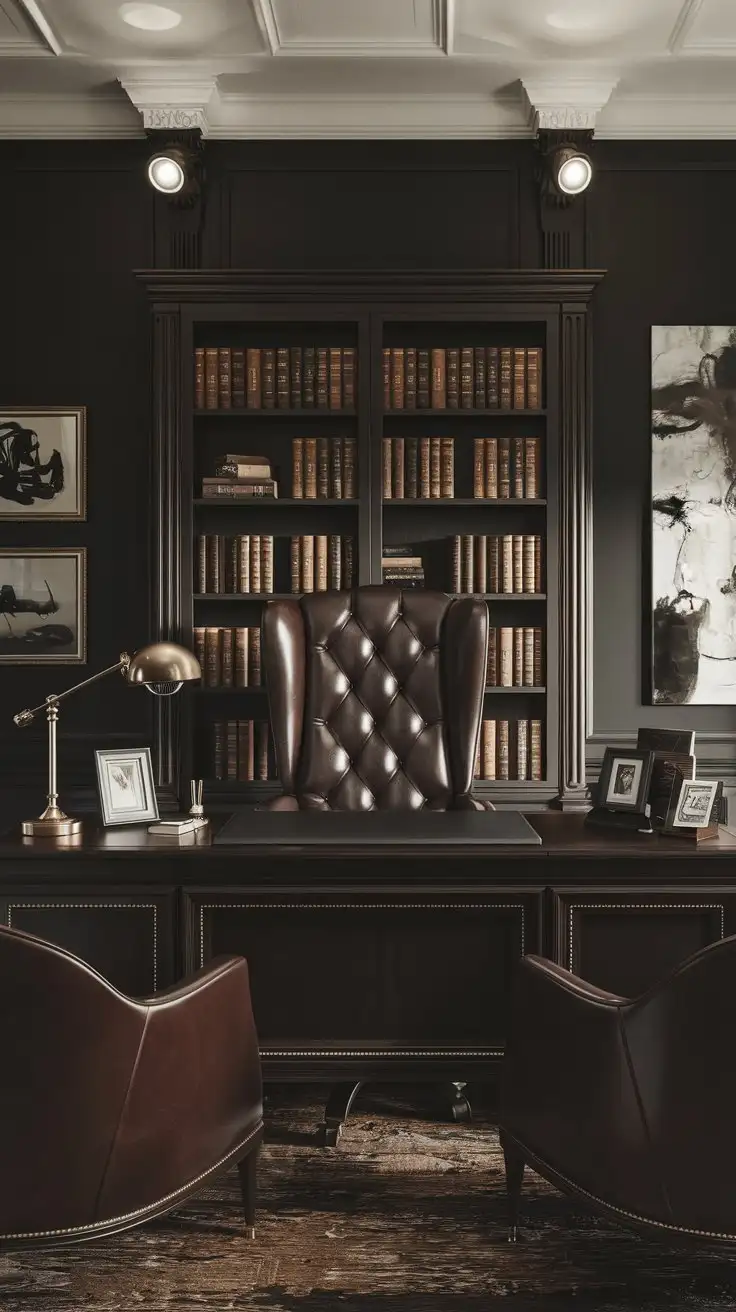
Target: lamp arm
25,717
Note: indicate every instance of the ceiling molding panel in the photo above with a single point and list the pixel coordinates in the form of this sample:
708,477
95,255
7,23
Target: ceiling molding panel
20,36
717,17
399,29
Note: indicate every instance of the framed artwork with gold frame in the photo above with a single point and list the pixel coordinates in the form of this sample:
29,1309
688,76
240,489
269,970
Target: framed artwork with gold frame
43,463
43,605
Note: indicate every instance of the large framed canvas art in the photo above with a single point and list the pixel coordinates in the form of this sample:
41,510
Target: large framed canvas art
694,515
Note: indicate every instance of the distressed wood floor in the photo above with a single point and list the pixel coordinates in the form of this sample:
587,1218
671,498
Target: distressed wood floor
406,1215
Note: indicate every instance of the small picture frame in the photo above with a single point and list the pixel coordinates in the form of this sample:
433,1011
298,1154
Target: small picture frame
125,781
694,807
43,462
43,605
623,783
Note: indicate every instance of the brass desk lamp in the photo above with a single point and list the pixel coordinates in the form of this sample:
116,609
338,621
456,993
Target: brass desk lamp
161,667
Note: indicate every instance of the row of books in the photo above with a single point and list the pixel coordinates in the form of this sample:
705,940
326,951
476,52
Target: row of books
509,562
510,749
243,563
506,468
323,467
230,658
424,467
321,561
269,377
515,658
466,377
402,568
240,750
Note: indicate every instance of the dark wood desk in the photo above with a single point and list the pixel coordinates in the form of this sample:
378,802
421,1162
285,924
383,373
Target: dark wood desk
369,965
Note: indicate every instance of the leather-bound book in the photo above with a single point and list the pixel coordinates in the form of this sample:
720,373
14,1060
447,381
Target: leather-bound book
387,480
335,366
334,561
224,379
218,749
199,387
307,562
518,549
387,377
211,377
231,562
492,379
238,378
200,575
425,484
267,562
226,658
518,658
348,562
536,750
310,468
295,377
214,581
309,365
519,378
488,747
424,379
261,749
253,378
528,576
254,657
268,378
506,657
479,478
297,467
467,390
283,382
211,668
504,468
348,377
412,468
522,749
494,563
335,461
447,467
480,565
255,563
296,565
479,377
528,679
410,378
492,662
397,463
539,674
323,467
491,446
531,467
452,368
505,381
538,563
322,390
244,565
435,467
320,562
507,563
198,645
517,466
349,468
467,574
245,751
439,378
502,749
534,377
240,659
397,378
456,572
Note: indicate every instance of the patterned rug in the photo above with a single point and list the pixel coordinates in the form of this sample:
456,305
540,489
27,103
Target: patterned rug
406,1215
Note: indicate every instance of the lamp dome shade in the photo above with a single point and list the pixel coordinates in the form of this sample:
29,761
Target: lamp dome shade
164,662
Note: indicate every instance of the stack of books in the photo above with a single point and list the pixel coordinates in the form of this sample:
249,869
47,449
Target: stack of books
240,476
403,568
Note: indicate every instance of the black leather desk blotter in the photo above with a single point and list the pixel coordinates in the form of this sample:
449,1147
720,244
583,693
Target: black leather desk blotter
366,828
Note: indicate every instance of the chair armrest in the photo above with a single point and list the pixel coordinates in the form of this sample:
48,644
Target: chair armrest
567,980
284,803
466,802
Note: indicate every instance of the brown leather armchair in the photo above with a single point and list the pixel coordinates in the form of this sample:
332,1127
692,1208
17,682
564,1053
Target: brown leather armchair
376,698
625,1103
115,1109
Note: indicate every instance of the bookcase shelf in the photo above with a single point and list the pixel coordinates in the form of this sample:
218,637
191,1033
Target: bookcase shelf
542,318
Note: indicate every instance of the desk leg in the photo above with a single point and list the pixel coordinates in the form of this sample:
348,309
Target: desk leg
341,1099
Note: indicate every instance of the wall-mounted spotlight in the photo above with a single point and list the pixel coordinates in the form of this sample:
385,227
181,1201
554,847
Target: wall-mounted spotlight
175,171
571,170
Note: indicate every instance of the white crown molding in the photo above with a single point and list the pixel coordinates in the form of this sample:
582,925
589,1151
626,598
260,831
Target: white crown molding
174,105
443,23
683,24
669,118
562,98
62,117
41,25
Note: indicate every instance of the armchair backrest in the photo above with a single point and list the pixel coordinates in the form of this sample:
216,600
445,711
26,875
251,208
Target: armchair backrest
375,696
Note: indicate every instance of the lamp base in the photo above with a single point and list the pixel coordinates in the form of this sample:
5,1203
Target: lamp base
52,824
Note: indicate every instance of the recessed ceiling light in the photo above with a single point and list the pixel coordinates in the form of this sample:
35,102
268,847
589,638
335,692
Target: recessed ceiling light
152,18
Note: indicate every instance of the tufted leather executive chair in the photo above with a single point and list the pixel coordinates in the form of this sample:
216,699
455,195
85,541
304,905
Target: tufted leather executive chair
627,1103
376,698
117,1109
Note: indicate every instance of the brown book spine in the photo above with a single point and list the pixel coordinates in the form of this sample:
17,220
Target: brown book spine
492,665
224,378
231,560
334,561
255,563
492,389
218,749
479,482
534,377
538,564
467,581
387,377
349,468
336,473
199,386
527,571
254,656
253,378
307,563
232,750
504,468
200,577
244,563
387,481
480,565
518,555
424,464
323,467
211,377
505,382
519,376
424,379
506,657
211,669
539,675
456,562
297,467
296,565
435,479
295,377
261,749
199,646
439,378
410,378
507,563
283,381
268,378
531,467
240,658
320,562
466,378
491,448
452,367
522,749
397,464
535,738
517,465
226,657
335,366
479,377
447,467
238,378
212,548
267,562
518,658
397,378
348,562
527,663
322,390
308,377
502,749
310,468
412,468
244,746
488,739
348,377
494,564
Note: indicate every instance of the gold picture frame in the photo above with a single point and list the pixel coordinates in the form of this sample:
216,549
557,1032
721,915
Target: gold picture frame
37,583
43,463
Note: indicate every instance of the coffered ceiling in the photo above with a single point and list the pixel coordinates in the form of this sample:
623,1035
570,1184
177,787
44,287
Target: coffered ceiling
369,68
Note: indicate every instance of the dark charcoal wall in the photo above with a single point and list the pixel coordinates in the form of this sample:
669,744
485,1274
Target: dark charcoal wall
76,219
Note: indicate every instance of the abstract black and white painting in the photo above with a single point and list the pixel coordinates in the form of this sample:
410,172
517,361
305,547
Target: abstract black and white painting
42,606
694,515
43,463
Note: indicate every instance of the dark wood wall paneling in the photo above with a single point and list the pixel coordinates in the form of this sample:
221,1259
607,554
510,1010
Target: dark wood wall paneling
77,218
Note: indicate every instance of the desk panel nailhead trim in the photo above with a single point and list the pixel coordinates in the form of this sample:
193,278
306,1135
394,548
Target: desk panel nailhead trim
636,906
95,906
382,1052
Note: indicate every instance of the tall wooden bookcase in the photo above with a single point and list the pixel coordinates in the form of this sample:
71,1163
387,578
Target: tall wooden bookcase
370,312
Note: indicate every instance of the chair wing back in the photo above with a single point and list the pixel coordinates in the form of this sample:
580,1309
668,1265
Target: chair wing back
375,696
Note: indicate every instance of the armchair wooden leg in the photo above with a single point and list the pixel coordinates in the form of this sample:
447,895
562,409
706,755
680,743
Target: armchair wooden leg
247,1170
514,1163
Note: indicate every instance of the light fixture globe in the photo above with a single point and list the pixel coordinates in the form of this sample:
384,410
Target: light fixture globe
167,171
572,171
163,667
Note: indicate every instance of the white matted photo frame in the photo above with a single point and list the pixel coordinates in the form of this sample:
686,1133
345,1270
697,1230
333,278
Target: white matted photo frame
43,605
125,781
694,804
623,783
43,462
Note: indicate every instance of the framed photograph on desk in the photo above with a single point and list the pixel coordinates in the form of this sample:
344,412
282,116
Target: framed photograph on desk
127,792
623,784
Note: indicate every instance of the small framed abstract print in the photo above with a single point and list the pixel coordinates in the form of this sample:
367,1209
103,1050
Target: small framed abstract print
43,463
43,603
